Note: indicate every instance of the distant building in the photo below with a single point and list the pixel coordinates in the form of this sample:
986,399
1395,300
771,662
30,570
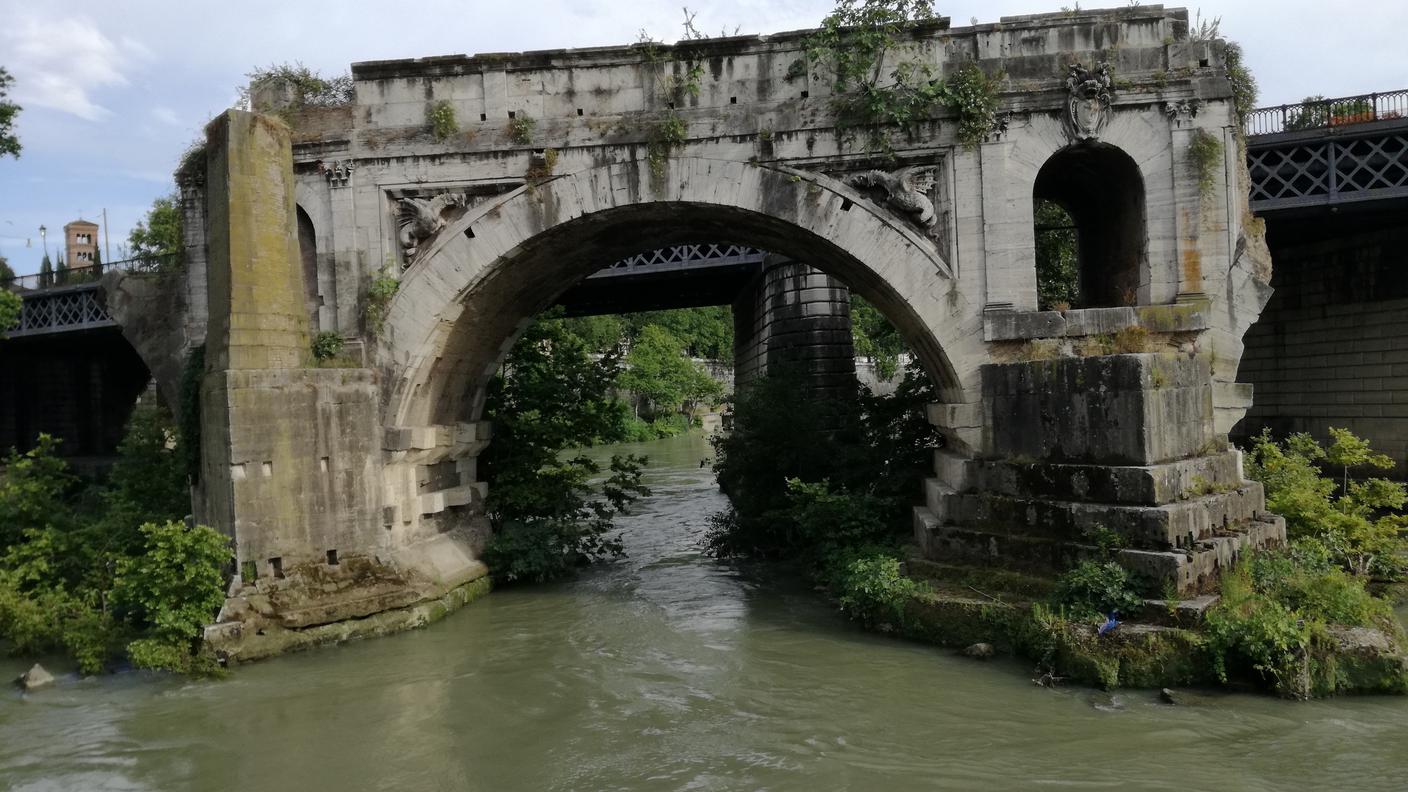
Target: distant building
81,243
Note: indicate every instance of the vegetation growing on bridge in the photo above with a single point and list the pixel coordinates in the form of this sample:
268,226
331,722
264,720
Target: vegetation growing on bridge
441,118
305,87
106,571
851,49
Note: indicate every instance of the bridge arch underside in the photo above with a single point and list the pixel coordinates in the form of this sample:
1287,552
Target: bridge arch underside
461,306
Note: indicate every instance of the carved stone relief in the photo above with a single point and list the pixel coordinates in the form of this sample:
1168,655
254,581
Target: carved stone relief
906,192
420,218
1090,92
1183,112
339,173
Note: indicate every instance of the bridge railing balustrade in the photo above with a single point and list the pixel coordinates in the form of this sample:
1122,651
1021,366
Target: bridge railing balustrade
90,273
1327,113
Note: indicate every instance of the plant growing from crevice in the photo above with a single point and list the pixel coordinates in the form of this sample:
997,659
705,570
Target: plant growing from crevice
520,128
327,345
306,87
380,290
1205,155
441,118
668,131
539,170
851,49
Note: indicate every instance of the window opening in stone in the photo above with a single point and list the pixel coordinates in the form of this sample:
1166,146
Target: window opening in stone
332,558
276,567
1101,192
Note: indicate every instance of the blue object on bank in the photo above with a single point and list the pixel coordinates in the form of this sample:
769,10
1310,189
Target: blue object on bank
1110,623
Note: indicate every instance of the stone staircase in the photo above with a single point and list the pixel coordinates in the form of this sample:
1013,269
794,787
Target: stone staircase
1118,445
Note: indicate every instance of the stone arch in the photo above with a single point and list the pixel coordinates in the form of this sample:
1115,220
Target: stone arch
1101,188
485,275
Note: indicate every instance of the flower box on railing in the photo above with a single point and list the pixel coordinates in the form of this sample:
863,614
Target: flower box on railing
1352,118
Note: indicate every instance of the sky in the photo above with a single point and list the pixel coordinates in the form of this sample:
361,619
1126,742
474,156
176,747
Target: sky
114,92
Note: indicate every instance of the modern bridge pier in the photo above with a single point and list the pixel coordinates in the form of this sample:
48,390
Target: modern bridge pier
352,495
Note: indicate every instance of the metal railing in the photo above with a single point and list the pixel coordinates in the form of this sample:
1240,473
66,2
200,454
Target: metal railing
1327,113
90,273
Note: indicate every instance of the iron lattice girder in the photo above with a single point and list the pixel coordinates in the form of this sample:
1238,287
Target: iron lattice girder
681,257
57,311
1329,170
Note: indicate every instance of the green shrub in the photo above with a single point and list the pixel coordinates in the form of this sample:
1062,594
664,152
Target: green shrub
379,293
873,591
1253,634
1358,521
171,591
327,345
1095,588
441,118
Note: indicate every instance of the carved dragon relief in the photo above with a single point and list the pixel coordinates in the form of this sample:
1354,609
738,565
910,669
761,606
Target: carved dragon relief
905,191
419,219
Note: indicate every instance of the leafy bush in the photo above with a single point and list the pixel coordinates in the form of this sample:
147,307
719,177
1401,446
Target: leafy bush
1360,525
1249,632
171,591
441,117
379,293
1095,588
873,590
327,345
82,573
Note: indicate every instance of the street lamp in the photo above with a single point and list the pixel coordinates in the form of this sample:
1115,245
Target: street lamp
44,239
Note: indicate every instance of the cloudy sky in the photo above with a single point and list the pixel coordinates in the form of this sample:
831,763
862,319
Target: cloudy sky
113,92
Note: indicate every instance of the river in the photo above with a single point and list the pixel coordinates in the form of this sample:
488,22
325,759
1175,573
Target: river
669,671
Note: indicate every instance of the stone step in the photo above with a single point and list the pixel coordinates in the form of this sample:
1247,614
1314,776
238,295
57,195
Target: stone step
1172,526
1191,570
1146,485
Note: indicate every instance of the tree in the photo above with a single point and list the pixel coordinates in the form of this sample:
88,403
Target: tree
46,272
60,271
658,372
548,513
10,307
7,273
874,337
159,235
1057,258
97,263
9,141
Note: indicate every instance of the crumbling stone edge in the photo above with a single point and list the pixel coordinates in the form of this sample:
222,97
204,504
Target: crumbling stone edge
273,640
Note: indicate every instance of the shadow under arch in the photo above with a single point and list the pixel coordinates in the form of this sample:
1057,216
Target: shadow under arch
486,275
1101,188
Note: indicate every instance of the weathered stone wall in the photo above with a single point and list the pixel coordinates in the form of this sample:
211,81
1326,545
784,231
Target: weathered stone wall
1331,348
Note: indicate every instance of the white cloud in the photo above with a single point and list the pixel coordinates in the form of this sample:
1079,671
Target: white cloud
59,63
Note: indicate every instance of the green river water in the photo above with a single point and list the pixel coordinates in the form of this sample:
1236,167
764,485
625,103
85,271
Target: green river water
669,671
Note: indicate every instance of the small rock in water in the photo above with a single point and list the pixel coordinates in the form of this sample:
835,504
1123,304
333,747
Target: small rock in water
35,677
1170,697
979,651
1106,701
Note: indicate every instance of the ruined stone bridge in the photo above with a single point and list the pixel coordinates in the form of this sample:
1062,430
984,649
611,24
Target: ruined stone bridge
353,492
